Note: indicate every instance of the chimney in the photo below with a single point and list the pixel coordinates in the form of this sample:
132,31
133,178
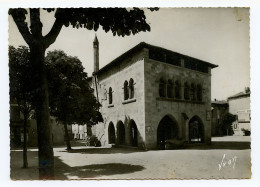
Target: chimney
96,54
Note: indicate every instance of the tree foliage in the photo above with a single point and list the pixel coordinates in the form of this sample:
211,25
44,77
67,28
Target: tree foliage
120,21
71,98
21,89
226,123
20,80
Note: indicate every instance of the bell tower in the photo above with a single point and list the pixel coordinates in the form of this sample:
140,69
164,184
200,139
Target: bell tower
96,54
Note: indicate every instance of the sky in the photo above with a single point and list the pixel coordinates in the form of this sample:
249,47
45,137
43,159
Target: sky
216,35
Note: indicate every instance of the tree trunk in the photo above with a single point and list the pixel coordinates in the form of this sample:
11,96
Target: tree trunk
67,139
25,162
45,146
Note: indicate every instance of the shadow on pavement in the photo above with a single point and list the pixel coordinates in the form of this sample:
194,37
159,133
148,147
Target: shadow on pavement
62,170
220,145
104,150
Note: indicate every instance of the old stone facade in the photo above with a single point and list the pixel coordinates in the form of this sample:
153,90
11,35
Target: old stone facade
150,95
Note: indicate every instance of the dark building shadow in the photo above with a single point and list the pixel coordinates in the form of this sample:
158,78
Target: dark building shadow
62,170
124,150
220,145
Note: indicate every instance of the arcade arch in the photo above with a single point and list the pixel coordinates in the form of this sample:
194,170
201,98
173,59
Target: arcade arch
167,129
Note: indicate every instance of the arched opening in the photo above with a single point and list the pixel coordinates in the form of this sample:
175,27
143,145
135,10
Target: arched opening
177,89
170,89
192,92
196,130
199,92
110,96
120,133
186,91
162,88
111,134
133,134
126,92
131,89
167,129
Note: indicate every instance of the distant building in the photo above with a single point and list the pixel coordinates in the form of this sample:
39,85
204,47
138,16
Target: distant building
149,95
80,132
239,104
218,110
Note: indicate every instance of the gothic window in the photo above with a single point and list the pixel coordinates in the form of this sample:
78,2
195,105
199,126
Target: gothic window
170,89
131,88
186,91
199,92
162,88
177,89
126,91
192,92
110,96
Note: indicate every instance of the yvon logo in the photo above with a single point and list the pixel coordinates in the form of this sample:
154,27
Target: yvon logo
227,162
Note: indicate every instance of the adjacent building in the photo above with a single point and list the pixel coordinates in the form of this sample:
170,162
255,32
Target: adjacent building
239,104
149,95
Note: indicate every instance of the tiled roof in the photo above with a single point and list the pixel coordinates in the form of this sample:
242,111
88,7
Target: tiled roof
219,102
142,45
240,94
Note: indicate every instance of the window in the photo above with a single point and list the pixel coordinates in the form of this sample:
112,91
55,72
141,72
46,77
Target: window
192,92
199,92
110,96
131,88
162,88
170,90
126,91
177,90
186,91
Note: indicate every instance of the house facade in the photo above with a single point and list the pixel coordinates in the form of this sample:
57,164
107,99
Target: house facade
239,105
149,95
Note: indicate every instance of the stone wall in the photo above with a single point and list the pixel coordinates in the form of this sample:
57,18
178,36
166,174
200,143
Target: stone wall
156,108
120,109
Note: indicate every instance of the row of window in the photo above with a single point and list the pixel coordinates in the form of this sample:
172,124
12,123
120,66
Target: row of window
128,91
168,89
172,89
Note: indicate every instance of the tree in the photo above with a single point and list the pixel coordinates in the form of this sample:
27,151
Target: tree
226,123
71,98
119,21
21,87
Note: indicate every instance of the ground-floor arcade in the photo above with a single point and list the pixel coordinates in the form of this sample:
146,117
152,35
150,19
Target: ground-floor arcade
128,132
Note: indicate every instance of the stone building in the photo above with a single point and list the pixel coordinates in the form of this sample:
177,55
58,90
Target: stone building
149,95
239,104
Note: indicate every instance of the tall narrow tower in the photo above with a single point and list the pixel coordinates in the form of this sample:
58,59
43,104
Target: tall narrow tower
96,54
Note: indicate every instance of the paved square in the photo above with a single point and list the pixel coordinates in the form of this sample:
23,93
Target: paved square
227,157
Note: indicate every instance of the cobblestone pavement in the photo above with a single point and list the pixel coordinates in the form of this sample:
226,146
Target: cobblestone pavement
227,157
